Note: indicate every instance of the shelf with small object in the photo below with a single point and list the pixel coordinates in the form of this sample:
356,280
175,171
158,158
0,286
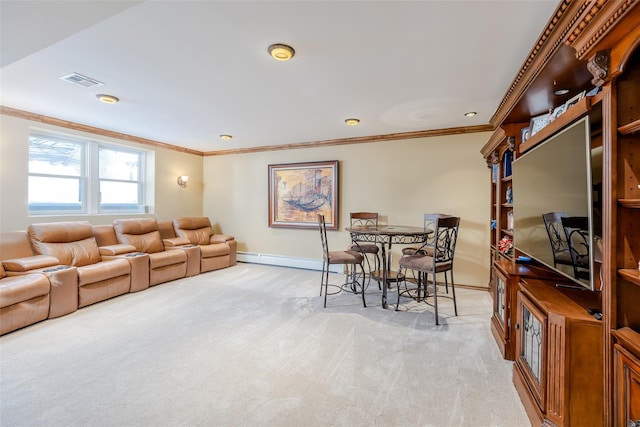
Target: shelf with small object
577,110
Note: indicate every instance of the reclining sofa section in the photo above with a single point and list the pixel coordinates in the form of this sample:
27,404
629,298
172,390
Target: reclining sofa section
144,235
216,250
73,243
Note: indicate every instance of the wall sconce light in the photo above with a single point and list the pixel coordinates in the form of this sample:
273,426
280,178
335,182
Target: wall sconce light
182,181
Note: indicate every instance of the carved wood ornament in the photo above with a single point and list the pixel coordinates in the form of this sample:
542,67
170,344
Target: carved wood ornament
598,66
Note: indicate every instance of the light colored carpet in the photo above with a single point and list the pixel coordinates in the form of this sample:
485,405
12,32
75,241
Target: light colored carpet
251,345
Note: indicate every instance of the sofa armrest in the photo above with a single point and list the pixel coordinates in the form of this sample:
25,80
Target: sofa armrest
29,263
221,238
118,249
177,241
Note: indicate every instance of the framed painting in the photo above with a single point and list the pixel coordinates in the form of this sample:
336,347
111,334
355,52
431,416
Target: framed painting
300,191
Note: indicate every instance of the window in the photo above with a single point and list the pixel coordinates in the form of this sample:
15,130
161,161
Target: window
72,176
120,180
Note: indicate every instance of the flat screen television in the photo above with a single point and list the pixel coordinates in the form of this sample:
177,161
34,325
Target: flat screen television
557,176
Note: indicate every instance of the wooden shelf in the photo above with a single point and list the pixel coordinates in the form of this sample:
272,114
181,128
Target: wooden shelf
629,203
506,178
507,232
630,274
577,110
630,127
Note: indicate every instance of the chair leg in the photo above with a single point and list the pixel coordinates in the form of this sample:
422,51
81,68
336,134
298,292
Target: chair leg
326,284
435,296
446,283
322,278
364,303
453,292
377,267
398,283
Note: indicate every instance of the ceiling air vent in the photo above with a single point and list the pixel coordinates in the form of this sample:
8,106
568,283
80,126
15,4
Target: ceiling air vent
81,80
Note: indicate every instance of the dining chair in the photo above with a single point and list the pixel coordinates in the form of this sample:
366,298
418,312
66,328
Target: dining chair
440,260
576,229
348,257
429,224
366,219
557,238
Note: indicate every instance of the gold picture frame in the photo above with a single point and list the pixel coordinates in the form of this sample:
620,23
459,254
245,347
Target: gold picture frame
300,191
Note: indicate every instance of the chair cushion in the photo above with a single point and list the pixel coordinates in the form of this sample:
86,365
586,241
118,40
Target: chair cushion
367,248
345,257
423,263
426,250
564,257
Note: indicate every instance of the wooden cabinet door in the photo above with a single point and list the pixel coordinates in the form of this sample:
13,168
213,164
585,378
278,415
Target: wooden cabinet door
627,388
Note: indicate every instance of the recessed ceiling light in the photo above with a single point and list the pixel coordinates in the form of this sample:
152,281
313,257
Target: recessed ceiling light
107,99
281,52
226,137
352,121
561,92
470,114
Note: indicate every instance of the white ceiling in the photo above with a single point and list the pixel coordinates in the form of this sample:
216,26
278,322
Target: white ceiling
188,71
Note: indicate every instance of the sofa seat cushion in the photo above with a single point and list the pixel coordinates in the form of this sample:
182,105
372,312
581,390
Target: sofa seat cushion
16,289
103,271
165,258
214,250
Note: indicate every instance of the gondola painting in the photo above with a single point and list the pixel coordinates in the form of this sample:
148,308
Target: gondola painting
300,191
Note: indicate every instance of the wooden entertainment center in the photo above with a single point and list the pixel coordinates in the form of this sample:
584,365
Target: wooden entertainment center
572,365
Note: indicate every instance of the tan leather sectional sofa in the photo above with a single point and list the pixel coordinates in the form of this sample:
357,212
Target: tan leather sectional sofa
52,269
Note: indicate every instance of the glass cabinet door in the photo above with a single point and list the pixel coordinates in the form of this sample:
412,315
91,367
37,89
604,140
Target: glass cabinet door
500,298
531,346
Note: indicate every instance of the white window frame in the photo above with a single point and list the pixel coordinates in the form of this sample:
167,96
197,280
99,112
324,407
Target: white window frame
90,178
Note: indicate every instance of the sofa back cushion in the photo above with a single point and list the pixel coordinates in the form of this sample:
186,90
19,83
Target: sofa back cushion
72,243
15,244
166,230
142,233
105,235
197,229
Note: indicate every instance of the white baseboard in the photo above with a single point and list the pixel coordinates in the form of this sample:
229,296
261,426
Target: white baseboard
285,261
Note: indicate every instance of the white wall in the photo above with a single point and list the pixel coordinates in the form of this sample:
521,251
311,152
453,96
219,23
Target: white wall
168,201
401,180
